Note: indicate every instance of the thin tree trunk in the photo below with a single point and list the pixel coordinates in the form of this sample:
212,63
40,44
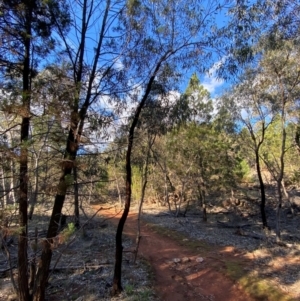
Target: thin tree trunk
180,199
4,197
278,212
33,261
12,196
118,187
117,279
138,233
143,189
166,191
44,264
36,174
288,197
262,190
76,199
73,140
36,190
280,179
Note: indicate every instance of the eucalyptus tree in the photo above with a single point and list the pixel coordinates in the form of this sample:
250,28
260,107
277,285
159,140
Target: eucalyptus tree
267,92
167,37
95,74
26,28
281,77
248,22
253,108
194,106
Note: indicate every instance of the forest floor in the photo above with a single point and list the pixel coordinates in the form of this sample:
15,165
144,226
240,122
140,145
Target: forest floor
179,258
186,268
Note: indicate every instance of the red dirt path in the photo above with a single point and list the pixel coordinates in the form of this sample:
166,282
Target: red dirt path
185,281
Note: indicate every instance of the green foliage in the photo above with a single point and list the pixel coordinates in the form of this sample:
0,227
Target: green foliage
200,153
194,104
129,289
69,231
295,177
136,182
69,180
242,169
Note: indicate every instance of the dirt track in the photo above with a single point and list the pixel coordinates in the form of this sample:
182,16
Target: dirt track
191,278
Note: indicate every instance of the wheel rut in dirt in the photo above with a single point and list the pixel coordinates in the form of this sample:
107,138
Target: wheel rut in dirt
181,274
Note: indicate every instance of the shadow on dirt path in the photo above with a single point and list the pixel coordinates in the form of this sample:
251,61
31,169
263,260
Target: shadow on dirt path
181,274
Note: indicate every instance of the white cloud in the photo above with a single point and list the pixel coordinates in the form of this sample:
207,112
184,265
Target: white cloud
211,82
118,65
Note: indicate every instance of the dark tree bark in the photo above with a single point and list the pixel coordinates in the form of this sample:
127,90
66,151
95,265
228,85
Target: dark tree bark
117,278
25,26
262,190
257,145
44,264
78,117
23,289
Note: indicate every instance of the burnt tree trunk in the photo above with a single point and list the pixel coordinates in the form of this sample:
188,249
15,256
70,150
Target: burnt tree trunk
117,278
23,288
76,128
45,260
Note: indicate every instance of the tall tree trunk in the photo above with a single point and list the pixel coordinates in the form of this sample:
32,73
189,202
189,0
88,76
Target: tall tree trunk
280,176
73,140
23,288
117,279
